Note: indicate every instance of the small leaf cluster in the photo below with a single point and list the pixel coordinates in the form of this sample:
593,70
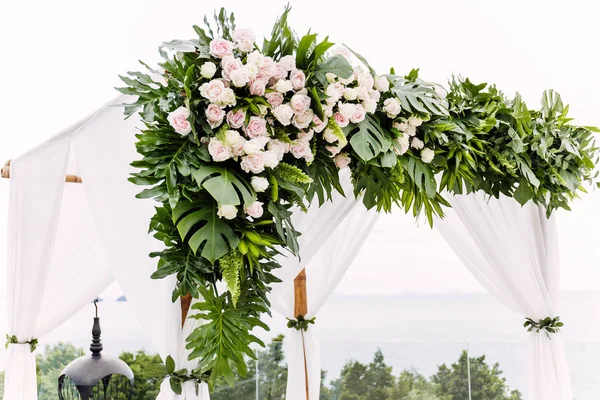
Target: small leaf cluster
548,325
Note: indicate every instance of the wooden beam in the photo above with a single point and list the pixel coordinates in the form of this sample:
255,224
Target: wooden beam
301,309
186,301
5,173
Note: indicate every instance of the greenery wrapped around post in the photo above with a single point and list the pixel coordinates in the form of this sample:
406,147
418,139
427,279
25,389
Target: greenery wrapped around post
237,136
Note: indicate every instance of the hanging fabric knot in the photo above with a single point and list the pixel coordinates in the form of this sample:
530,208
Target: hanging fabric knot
14,340
549,325
181,380
301,323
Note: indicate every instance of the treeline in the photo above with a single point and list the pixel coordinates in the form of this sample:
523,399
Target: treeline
357,381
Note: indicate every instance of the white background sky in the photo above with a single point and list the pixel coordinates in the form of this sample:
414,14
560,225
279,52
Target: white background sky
60,61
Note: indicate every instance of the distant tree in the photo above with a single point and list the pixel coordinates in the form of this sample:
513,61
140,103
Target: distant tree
50,364
148,371
365,382
486,382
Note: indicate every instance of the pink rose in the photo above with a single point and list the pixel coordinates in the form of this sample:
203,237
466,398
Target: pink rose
334,150
341,119
303,120
347,109
298,79
257,87
300,148
392,107
417,143
266,69
319,125
228,65
255,210
277,147
236,119
359,114
341,160
255,145
218,151
238,148
306,135
278,73
340,50
335,90
220,47
179,121
256,127
329,136
275,99
254,163
214,115
288,63
366,80
300,103
212,90
245,39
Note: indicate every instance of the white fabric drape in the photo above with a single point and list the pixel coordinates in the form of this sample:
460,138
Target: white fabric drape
44,269
325,264
513,252
107,147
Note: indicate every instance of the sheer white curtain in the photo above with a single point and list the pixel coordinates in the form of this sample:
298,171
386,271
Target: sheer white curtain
105,148
45,268
513,252
325,265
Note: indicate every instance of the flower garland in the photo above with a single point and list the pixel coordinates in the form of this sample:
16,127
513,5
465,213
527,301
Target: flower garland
236,135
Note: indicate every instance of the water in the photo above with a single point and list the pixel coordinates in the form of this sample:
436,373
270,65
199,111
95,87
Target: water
415,331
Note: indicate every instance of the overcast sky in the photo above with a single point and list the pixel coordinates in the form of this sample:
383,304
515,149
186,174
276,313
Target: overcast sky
60,61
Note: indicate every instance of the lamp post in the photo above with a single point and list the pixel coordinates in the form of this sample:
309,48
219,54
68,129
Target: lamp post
96,377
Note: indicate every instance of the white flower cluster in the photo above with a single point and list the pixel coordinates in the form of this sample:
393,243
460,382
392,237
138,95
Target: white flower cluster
408,138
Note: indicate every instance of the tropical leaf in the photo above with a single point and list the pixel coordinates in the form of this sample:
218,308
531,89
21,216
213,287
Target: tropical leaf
367,138
337,65
418,96
224,185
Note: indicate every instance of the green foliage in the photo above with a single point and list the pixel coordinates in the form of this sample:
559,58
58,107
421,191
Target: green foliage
548,325
50,364
148,370
300,323
417,96
367,138
231,264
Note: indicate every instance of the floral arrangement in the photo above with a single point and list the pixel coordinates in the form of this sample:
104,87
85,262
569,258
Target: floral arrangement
237,135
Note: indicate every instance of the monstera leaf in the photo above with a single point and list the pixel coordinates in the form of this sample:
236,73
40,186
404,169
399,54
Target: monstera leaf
199,222
367,138
418,96
224,185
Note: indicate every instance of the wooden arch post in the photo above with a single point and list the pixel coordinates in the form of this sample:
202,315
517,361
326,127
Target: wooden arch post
301,309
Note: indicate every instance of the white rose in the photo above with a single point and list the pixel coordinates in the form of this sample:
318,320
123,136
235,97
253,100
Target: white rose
427,155
335,91
392,107
227,212
370,105
255,58
330,77
245,39
302,121
259,184
329,136
227,98
300,103
239,78
374,94
362,93
208,70
300,148
347,109
212,90
278,148
238,148
283,86
271,160
417,143
359,114
410,130
350,94
254,163
404,143
288,63
231,137
284,114
253,146
382,84
255,210
365,80
415,121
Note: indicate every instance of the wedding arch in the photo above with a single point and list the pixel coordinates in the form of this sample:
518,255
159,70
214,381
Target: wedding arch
267,168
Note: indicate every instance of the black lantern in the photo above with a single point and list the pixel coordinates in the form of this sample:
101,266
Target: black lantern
98,377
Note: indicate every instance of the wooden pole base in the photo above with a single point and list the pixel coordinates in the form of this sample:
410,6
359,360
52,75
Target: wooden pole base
186,301
301,309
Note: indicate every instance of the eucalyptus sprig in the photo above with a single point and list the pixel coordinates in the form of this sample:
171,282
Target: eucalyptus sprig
548,325
300,323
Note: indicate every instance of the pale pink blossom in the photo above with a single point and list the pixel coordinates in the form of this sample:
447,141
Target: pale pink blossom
300,148
392,107
271,160
427,155
300,103
256,127
283,86
218,150
236,119
227,211
370,105
255,58
212,90
277,147
229,64
341,160
255,210
347,109
214,115
238,148
334,150
403,143
319,125
259,184
239,78
362,93
220,47
278,73
257,87
179,121
341,119
275,99
382,84
330,136
298,79
255,145
254,163
365,80
335,90
306,135
341,50
303,120
245,39
359,114
288,63
417,143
